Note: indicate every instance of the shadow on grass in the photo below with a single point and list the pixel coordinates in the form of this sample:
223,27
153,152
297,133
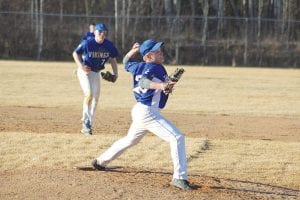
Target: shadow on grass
120,169
254,188
110,168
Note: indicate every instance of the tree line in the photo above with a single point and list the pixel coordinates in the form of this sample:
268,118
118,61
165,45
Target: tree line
200,32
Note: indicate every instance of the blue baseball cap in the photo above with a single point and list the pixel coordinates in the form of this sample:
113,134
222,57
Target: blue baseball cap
149,45
100,27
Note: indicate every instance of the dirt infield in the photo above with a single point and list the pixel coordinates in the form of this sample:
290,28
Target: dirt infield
129,183
242,128
47,120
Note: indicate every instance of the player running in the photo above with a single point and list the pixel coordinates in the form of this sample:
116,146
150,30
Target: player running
149,86
90,57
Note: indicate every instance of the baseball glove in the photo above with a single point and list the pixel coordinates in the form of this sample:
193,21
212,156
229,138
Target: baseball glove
174,77
109,76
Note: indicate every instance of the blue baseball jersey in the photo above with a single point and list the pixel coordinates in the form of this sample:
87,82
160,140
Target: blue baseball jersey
95,55
154,72
88,35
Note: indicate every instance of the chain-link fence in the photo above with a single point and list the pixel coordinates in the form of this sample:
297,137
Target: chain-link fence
197,40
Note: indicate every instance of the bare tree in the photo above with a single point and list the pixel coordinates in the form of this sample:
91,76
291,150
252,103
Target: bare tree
152,5
249,7
36,19
205,16
260,9
193,13
129,5
41,27
235,10
177,31
168,12
204,25
87,10
32,13
277,14
123,23
61,10
246,41
277,8
285,20
220,26
136,20
204,29
220,17
116,21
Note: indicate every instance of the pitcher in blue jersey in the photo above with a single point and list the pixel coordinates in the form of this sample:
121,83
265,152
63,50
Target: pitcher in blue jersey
90,57
148,88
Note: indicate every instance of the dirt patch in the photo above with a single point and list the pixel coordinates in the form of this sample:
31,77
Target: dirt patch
128,183
48,120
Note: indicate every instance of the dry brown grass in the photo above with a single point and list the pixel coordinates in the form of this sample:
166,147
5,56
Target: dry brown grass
269,162
210,90
238,91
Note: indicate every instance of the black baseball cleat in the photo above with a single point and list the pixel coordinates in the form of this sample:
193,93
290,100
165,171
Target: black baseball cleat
97,166
86,131
86,128
182,184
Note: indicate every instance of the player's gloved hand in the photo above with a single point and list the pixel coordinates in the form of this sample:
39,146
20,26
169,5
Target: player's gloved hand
171,80
168,87
108,76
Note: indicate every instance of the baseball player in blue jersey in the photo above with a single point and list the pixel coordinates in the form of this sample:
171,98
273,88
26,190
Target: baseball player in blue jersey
90,57
149,85
90,34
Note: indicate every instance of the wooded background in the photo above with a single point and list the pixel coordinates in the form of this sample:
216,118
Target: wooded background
195,32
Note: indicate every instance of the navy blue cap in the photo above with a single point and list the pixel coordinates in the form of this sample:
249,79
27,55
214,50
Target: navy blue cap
149,45
100,27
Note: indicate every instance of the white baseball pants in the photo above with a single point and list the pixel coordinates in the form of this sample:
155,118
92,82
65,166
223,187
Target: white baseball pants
146,118
90,84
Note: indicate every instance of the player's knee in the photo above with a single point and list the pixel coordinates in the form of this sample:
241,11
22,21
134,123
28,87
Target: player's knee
131,141
88,98
179,138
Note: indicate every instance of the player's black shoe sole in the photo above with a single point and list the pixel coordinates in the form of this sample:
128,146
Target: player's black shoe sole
182,184
96,166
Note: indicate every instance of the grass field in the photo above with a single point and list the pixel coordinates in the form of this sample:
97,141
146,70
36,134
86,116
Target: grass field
213,90
203,90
